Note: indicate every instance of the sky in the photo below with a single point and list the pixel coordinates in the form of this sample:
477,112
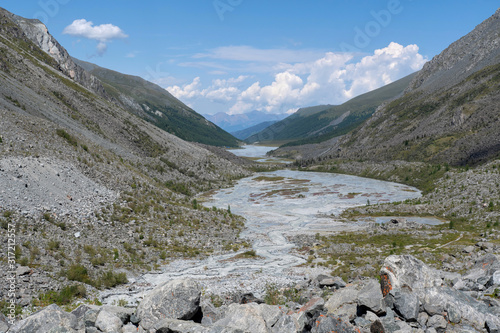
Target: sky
235,56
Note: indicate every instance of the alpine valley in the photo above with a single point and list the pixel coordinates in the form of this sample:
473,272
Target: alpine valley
122,210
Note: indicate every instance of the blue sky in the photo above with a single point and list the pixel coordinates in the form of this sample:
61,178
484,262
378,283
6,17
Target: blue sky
241,55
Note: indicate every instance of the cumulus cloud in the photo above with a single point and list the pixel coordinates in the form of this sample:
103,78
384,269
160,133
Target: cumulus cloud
220,91
103,33
332,78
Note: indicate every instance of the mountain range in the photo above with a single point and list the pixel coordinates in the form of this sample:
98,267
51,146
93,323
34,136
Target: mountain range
322,122
237,122
449,112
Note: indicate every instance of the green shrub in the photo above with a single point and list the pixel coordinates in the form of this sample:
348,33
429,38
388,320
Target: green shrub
109,280
63,297
78,272
68,137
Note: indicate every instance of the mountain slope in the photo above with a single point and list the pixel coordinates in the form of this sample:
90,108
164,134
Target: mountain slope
91,184
449,114
237,122
247,132
158,106
324,122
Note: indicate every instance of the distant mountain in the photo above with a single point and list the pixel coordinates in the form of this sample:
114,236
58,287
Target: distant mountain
245,133
450,112
158,106
320,123
238,122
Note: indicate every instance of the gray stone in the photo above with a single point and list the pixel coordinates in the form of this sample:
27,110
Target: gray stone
178,326
371,316
495,279
176,299
437,321
123,313
108,322
371,297
406,304
129,328
407,271
453,313
257,318
341,297
49,319
327,324
422,319
90,317
468,249
362,322
492,326
23,270
286,324
4,325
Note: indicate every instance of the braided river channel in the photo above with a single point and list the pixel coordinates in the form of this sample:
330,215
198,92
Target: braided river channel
275,205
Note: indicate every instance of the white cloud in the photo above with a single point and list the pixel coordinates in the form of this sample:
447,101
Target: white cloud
331,78
187,91
103,33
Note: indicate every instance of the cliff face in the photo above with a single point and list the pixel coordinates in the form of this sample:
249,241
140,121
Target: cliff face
38,33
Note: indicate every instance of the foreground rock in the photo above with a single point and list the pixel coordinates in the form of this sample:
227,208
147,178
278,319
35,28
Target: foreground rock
177,299
410,297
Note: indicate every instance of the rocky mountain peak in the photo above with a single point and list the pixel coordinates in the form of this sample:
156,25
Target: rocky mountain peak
476,50
38,33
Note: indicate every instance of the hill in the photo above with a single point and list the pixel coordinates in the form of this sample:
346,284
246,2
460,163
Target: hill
320,123
237,122
93,188
247,132
448,114
158,106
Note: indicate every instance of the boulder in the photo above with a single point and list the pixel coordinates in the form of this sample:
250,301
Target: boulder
176,299
492,326
371,297
108,322
347,295
329,323
49,319
123,313
406,304
437,322
459,307
4,324
129,328
406,271
255,318
178,326
286,324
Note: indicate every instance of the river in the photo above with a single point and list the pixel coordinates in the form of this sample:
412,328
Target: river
275,205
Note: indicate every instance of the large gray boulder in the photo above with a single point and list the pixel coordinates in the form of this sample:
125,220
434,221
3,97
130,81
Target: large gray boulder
406,304
48,320
344,302
255,318
327,324
176,299
406,274
371,297
108,322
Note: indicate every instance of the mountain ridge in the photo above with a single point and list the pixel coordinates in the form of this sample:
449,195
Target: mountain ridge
449,113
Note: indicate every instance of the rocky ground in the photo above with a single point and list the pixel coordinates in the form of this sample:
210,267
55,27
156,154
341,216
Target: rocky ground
409,297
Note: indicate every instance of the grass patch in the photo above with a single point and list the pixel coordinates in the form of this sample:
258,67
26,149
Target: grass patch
68,137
